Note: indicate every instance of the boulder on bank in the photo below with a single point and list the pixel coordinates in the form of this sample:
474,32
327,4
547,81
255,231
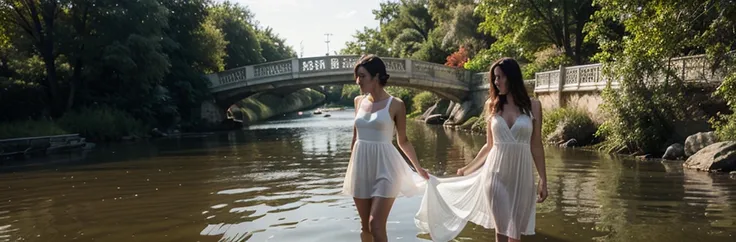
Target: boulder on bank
462,112
440,107
434,119
698,141
718,157
674,151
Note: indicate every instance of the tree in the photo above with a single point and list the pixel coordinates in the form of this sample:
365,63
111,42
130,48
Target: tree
38,19
274,48
243,46
535,24
642,111
365,42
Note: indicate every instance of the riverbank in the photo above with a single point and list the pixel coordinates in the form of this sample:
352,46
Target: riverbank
76,129
263,106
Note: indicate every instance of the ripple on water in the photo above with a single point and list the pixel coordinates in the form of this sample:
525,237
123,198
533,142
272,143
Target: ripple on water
243,190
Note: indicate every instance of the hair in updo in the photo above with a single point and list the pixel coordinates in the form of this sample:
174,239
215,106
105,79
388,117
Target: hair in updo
375,66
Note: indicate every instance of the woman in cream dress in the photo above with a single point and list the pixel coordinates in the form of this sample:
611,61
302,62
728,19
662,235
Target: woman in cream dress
377,173
497,189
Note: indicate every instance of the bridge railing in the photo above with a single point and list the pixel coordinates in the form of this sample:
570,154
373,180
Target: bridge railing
336,65
589,77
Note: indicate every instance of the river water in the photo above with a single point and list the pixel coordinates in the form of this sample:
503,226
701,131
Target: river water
280,181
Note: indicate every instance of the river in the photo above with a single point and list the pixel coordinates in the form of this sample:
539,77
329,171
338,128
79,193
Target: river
280,181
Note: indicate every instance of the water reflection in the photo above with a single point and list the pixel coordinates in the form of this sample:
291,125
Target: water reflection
280,181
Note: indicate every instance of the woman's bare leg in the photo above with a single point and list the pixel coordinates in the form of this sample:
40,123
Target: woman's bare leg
380,209
514,240
504,238
364,210
501,238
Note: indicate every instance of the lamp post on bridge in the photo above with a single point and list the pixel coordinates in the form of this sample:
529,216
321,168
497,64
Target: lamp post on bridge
327,41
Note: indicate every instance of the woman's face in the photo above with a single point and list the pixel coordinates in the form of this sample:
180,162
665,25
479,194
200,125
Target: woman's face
365,81
500,81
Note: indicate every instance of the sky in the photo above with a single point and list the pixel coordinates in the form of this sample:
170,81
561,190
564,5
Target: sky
307,21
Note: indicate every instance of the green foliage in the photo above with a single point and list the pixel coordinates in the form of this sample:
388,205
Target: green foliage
274,47
546,60
16,94
101,123
20,129
414,115
469,123
481,62
572,116
407,30
369,41
146,57
524,27
423,101
641,113
432,50
726,125
350,91
480,124
243,46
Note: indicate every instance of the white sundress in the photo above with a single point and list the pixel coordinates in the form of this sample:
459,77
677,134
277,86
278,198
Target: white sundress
500,195
376,167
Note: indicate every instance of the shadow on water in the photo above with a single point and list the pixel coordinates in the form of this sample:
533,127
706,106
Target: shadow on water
281,181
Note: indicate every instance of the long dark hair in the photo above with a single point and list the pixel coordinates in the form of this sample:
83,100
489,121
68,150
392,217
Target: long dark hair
375,66
515,84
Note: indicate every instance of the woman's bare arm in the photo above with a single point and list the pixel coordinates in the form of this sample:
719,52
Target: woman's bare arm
538,150
402,139
356,104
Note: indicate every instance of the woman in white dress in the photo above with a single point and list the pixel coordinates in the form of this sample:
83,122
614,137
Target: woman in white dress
377,173
496,190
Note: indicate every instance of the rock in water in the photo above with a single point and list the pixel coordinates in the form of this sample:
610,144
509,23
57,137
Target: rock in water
675,151
569,144
718,157
434,119
698,141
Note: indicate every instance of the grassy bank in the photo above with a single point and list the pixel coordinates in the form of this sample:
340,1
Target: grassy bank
263,106
100,123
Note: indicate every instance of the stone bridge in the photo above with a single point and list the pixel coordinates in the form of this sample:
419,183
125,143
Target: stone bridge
574,86
286,76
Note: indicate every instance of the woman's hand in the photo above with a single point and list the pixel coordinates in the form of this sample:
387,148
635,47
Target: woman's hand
461,171
541,191
423,173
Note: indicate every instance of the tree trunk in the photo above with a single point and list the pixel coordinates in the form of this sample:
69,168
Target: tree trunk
80,25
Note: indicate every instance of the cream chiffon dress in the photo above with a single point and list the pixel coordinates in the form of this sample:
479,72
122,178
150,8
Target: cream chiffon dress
500,195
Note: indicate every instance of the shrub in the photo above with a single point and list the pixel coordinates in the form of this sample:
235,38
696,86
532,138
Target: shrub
726,125
562,124
30,128
423,101
101,123
469,123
